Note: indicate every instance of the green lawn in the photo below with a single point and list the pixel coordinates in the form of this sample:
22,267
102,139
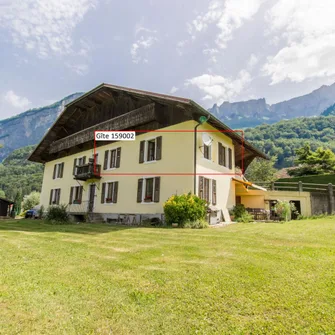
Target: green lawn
96,279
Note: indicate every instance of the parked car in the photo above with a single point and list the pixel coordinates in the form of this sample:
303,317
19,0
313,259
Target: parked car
32,213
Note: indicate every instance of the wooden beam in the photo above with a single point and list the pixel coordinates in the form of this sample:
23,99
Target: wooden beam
135,118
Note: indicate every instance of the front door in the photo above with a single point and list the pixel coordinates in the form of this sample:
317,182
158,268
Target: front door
91,198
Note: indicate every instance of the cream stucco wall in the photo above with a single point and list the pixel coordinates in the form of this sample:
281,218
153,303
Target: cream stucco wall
260,199
210,168
177,158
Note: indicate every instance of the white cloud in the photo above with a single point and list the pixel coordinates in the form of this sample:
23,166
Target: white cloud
143,43
174,89
16,101
44,26
80,69
211,53
252,62
227,16
308,30
217,88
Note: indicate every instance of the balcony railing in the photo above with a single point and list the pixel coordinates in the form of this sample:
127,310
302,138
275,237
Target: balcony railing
88,171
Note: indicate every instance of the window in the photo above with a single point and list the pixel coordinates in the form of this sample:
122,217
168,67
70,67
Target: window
58,171
230,158
222,155
109,192
148,190
54,196
78,162
151,150
207,190
76,195
112,159
207,152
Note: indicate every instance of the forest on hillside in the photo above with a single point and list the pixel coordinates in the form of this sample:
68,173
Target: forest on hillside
17,174
282,139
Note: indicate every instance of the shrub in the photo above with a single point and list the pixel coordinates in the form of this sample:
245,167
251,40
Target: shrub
57,215
41,212
198,224
31,200
241,214
245,218
183,208
284,210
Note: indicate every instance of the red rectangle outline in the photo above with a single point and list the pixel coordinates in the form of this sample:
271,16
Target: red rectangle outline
171,173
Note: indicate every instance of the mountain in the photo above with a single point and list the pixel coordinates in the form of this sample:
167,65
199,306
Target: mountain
18,174
330,111
255,112
29,127
283,138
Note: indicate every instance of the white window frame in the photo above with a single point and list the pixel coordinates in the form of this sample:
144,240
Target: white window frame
144,186
210,189
77,163
146,150
110,159
106,192
58,165
76,190
53,199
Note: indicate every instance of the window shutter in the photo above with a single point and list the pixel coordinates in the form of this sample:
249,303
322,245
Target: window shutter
84,160
158,148
81,188
74,166
157,189
201,187
230,158
51,193
58,196
103,191
61,170
224,156
118,157
106,159
220,154
115,190
141,160
139,190
71,196
54,174
214,192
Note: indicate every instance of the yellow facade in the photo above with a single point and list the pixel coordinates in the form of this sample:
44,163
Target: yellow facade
177,158
261,199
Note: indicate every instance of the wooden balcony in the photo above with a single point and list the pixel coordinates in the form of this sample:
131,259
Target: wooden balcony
88,171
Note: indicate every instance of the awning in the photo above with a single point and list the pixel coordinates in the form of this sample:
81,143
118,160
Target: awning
247,184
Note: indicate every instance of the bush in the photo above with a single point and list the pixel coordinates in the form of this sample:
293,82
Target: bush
241,214
41,212
284,210
31,200
57,215
198,224
184,208
245,218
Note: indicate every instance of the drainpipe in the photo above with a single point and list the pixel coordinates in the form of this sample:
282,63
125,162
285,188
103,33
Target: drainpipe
202,120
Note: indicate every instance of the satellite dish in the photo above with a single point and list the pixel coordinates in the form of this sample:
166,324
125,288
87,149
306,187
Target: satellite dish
206,139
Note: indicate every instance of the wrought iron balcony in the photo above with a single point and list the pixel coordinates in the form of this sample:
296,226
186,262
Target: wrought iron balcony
88,171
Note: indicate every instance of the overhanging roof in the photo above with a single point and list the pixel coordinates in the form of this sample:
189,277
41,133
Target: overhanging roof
105,91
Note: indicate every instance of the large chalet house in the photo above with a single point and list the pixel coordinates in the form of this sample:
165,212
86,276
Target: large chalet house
173,153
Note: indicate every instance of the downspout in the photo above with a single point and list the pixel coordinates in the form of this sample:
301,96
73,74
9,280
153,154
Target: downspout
201,121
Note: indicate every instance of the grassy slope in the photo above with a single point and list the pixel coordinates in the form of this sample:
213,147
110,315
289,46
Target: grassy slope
96,279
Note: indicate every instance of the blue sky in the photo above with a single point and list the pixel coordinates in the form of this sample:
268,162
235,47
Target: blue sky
210,51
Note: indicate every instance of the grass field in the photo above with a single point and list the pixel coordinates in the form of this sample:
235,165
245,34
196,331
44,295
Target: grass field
96,279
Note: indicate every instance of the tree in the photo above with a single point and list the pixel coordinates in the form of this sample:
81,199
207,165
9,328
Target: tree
17,203
2,194
31,200
320,161
261,170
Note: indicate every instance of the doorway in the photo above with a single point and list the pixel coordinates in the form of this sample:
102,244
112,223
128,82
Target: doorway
91,198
